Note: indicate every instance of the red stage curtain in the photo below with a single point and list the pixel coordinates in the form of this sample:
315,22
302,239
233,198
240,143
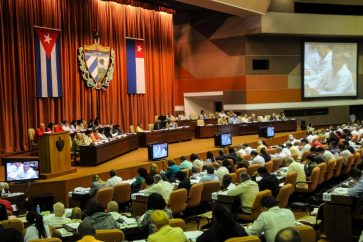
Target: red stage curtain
77,19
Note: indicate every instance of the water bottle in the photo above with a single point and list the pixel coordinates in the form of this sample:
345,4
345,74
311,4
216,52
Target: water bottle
37,209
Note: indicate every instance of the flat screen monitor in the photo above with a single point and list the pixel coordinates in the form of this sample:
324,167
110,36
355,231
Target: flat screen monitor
157,151
223,139
266,131
21,169
329,69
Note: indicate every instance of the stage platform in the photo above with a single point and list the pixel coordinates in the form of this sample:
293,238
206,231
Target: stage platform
126,165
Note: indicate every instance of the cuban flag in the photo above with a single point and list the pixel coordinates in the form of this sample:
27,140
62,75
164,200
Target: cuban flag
135,66
48,64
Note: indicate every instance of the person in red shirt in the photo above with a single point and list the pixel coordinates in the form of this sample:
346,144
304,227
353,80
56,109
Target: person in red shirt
7,204
58,128
39,132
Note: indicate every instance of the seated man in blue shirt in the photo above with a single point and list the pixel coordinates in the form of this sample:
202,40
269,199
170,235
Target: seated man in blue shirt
357,189
210,176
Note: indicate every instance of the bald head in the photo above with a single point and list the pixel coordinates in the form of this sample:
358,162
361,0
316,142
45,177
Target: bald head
288,235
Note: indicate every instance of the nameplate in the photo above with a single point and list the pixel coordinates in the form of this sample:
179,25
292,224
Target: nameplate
326,197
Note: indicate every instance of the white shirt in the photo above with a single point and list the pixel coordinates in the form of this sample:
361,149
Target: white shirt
248,150
113,181
221,172
54,221
258,160
198,163
162,187
32,233
29,174
286,151
306,148
345,154
271,222
231,186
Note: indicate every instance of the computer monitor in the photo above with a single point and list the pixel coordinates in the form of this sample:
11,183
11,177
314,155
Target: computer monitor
21,169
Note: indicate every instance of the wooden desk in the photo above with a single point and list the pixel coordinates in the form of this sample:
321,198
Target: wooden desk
18,199
193,123
339,213
93,155
209,131
165,136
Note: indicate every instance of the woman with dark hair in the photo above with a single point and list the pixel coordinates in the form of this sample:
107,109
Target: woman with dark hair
263,153
155,202
223,226
184,181
37,229
210,157
136,185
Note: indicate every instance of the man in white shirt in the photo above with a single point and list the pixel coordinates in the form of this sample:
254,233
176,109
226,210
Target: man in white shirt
272,220
247,148
247,191
161,187
57,219
294,150
114,179
196,161
305,146
326,154
14,170
257,159
220,171
227,183
344,152
28,173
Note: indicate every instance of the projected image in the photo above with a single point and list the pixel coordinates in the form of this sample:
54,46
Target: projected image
160,151
226,139
330,69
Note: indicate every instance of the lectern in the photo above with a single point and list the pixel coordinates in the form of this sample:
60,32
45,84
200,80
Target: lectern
55,154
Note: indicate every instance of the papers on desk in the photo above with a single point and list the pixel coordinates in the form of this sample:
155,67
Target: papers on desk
140,193
71,226
215,194
340,191
64,233
129,181
128,222
82,190
194,180
193,235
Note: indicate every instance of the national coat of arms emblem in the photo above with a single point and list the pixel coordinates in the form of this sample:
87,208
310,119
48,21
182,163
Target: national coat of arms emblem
97,64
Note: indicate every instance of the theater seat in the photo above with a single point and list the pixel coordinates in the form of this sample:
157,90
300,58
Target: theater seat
47,240
177,200
307,233
177,222
250,238
13,223
256,207
109,235
195,195
284,195
104,196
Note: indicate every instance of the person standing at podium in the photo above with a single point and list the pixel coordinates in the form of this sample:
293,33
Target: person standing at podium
39,132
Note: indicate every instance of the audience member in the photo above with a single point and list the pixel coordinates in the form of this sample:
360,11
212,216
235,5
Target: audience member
36,229
184,181
155,202
136,185
154,169
223,226
294,166
257,159
96,215
171,170
210,176
246,190
87,232
288,235
309,164
268,181
185,164
97,183
227,183
220,171
272,220
10,235
357,183
196,161
161,187
210,157
114,179
112,208
264,154
165,233
57,219
76,215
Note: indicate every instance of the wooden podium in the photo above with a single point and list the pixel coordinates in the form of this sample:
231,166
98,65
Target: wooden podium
55,154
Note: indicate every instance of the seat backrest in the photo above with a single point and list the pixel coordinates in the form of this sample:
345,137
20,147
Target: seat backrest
121,193
234,177
13,223
110,235
252,169
322,167
132,129
186,172
47,240
104,196
348,165
177,200
208,188
256,207
177,222
250,238
314,178
238,172
284,195
307,233
151,127
200,122
195,195
356,160
247,157
276,162
329,170
269,166
291,179
31,134
338,166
